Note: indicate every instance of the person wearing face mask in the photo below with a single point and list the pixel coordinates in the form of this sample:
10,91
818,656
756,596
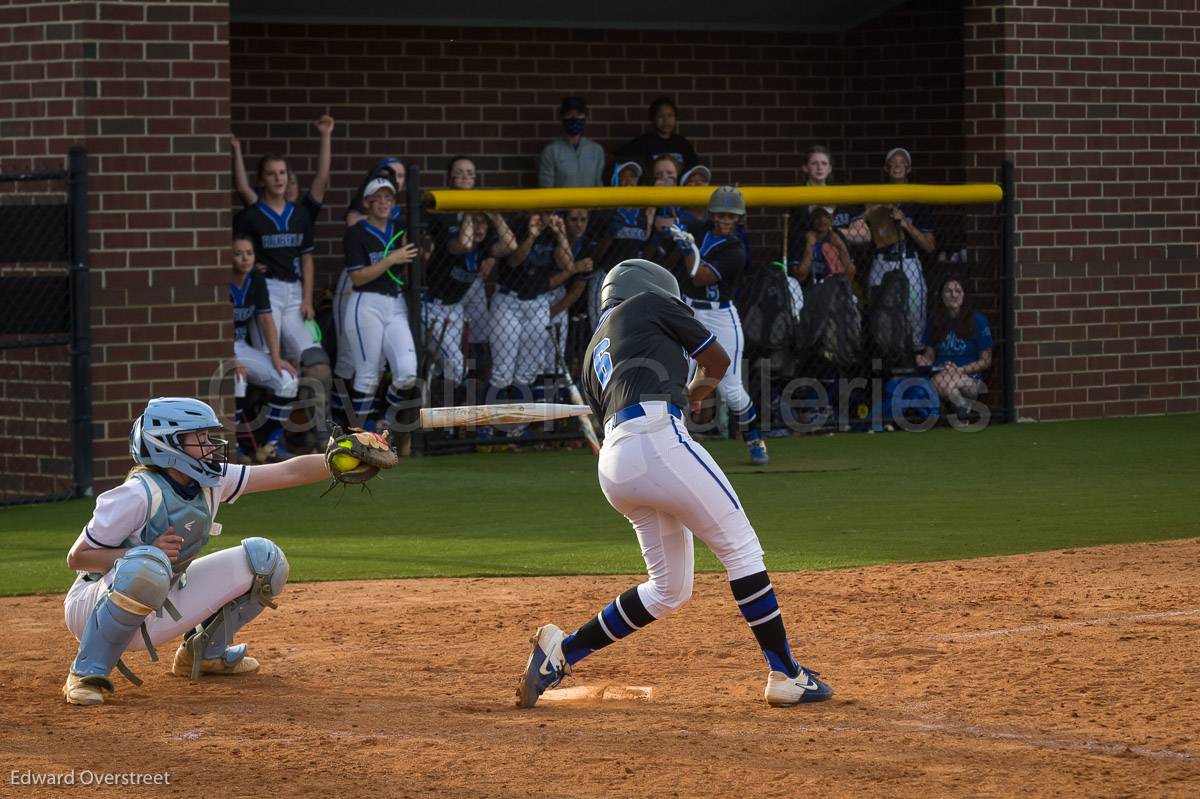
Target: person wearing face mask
573,161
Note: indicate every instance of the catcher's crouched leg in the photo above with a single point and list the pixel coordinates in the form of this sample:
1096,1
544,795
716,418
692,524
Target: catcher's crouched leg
139,587
210,648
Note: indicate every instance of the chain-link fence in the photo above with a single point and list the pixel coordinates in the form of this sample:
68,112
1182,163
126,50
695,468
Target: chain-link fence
44,334
857,318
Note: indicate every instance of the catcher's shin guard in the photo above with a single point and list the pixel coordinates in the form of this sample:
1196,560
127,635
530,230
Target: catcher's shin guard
139,588
214,639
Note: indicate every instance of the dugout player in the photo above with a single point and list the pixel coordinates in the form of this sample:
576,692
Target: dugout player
283,243
564,297
256,351
377,313
666,484
708,287
145,534
521,307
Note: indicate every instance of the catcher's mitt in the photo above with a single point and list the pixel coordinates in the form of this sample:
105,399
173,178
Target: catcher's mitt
356,455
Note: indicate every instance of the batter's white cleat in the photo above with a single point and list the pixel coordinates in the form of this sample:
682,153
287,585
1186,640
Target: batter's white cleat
235,661
546,667
784,691
86,691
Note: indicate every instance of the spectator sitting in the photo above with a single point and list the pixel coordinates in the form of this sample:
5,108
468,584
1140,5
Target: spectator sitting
663,140
960,341
573,161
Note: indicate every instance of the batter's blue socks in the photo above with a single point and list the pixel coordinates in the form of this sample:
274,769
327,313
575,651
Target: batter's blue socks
619,618
756,600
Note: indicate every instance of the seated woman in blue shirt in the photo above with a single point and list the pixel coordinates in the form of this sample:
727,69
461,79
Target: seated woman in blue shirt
959,340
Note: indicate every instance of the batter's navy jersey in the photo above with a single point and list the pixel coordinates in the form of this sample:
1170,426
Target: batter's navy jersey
639,353
532,277
249,299
280,239
724,255
449,275
364,245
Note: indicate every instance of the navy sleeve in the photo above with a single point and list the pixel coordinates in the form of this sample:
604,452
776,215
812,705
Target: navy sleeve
356,255
922,217
311,205
260,296
307,246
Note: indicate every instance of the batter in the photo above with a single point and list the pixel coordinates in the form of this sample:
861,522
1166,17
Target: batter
653,473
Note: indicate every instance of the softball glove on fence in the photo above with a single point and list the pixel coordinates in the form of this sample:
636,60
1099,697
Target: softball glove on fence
356,456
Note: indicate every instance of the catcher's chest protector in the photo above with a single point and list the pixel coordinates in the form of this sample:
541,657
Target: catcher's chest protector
191,518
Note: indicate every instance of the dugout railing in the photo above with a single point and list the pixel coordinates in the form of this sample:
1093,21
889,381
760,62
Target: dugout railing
45,334
845,373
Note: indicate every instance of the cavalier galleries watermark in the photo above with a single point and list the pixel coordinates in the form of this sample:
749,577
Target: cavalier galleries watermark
87,777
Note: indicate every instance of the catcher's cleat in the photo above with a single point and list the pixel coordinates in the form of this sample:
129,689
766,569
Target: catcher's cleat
86,691
234,661
546,667
784,691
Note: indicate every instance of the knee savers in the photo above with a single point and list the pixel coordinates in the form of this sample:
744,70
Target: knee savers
141,581
270,569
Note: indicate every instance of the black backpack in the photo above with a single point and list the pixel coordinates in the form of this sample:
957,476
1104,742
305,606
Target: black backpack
765,307
890,326
830,327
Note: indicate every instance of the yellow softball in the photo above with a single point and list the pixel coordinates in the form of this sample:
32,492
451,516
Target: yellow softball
344,461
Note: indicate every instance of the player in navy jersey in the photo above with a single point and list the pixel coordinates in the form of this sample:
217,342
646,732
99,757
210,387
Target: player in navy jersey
377,313
256,352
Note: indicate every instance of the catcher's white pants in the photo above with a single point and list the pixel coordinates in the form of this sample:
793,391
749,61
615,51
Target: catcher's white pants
519,338
446,322
342,293
377,326
286,299
263,373
212,581
670,488
726,325
475,303
916,290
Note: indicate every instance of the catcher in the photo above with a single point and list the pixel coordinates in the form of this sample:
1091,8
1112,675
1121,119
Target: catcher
142,581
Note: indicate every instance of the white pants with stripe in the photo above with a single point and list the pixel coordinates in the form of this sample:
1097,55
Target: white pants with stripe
263,373
726,325
475,304
377,326
446,322
286,299
212,581
342,293
519,339
669,487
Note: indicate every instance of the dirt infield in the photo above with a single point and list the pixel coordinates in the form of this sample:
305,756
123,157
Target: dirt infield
1063,673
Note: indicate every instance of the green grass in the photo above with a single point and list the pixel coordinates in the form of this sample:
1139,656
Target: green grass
824,502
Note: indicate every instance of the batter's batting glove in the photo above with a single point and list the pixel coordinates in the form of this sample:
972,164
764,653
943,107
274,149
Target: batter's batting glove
684,239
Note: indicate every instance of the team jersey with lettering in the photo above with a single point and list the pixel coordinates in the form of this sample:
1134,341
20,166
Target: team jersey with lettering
532,277
449,275
364,245
640,352
249,300
279,239
724,255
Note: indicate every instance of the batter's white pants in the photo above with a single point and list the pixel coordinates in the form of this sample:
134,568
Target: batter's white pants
263,373
378,332
519,338
475,303
446,321
342,293
212,581
286,299
669,487
726,325
916,291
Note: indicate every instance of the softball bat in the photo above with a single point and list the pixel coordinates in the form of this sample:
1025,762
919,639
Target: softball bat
510,413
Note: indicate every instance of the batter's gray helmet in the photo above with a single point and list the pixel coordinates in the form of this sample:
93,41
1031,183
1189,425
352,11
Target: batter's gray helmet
634,276
727,200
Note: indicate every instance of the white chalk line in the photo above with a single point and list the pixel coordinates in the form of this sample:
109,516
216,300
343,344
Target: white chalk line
1036,628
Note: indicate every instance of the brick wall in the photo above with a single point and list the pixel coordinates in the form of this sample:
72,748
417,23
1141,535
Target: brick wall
145,87
750,102
1097,104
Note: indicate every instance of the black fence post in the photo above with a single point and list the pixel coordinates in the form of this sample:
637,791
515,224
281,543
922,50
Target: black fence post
81,322
1009,297
416,286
